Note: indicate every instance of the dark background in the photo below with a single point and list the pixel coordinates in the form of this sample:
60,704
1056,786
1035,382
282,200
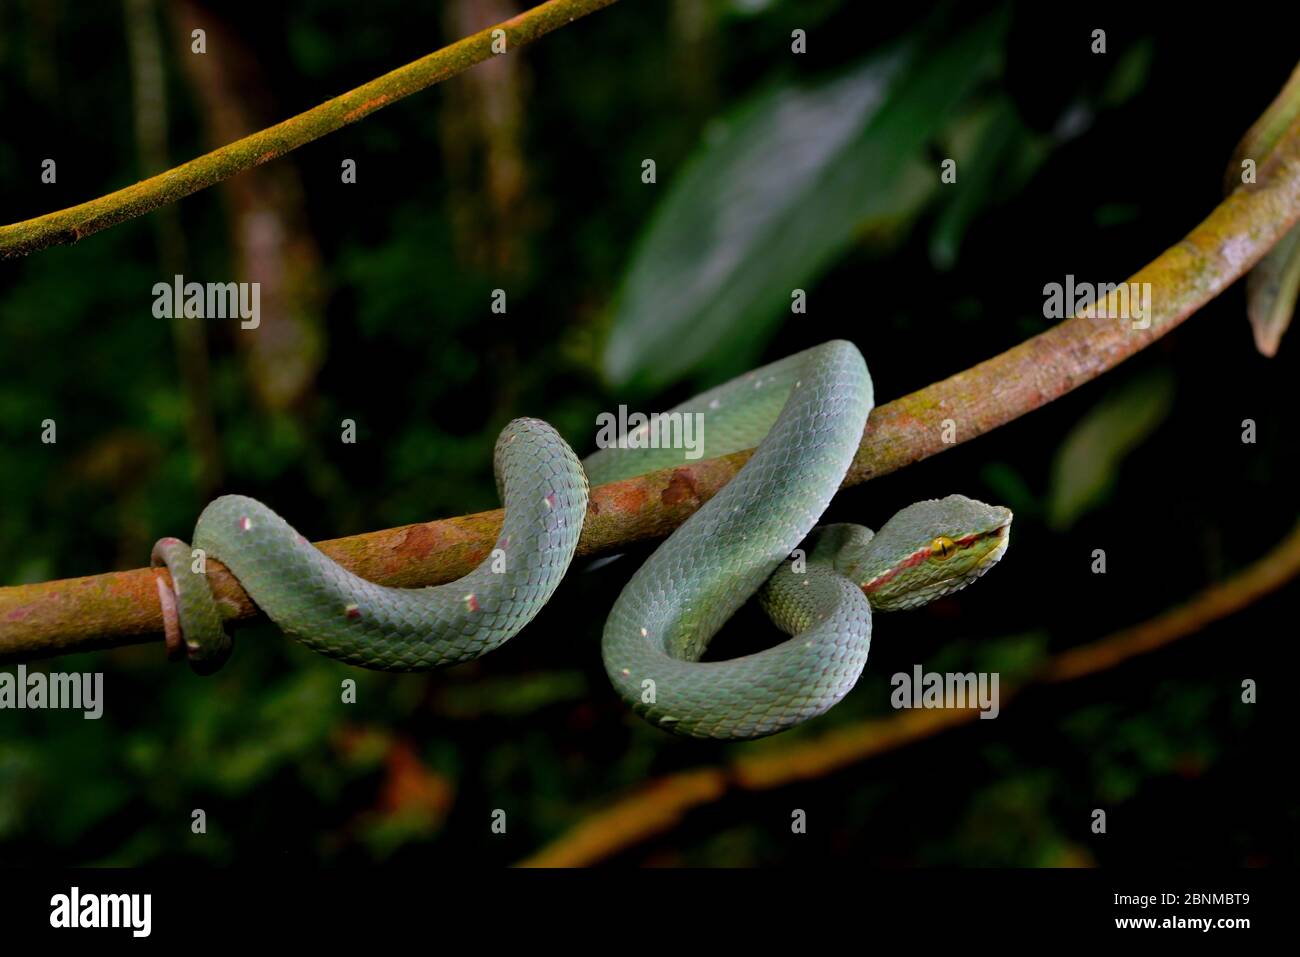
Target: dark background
525,175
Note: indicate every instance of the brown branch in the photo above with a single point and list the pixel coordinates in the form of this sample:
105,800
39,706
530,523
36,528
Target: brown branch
122,607
77,222
658,806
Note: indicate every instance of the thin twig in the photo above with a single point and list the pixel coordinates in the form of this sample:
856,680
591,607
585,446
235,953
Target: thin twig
77,222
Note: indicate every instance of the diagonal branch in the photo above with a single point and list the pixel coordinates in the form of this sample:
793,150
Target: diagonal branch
77,222
122,607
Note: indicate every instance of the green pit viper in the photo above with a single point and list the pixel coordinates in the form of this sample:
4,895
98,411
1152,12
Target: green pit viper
806,413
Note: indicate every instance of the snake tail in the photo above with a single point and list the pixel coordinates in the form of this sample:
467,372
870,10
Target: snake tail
330,610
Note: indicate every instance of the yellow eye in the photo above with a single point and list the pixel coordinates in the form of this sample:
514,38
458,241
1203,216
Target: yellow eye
942,547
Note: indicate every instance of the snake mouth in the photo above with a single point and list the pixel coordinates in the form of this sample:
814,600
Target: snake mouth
1002,537
997,539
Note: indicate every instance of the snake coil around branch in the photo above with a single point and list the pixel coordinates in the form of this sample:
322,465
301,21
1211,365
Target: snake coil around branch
806,413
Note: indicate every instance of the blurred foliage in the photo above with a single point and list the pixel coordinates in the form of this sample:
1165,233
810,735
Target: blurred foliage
778,190
773,171
1085,470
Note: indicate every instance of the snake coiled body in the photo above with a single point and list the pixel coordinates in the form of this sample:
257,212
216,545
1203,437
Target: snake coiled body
806,413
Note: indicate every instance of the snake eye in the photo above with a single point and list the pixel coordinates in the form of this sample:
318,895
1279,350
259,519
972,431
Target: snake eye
942,548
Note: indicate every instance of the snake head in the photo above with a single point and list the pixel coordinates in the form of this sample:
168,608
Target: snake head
930,549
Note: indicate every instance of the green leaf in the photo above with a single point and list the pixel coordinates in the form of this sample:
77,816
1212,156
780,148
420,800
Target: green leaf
1130,74
1011,488
995,153
1271,291
766,205
1272,285
1084,471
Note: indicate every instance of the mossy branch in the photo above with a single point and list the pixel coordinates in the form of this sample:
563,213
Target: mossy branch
77,222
